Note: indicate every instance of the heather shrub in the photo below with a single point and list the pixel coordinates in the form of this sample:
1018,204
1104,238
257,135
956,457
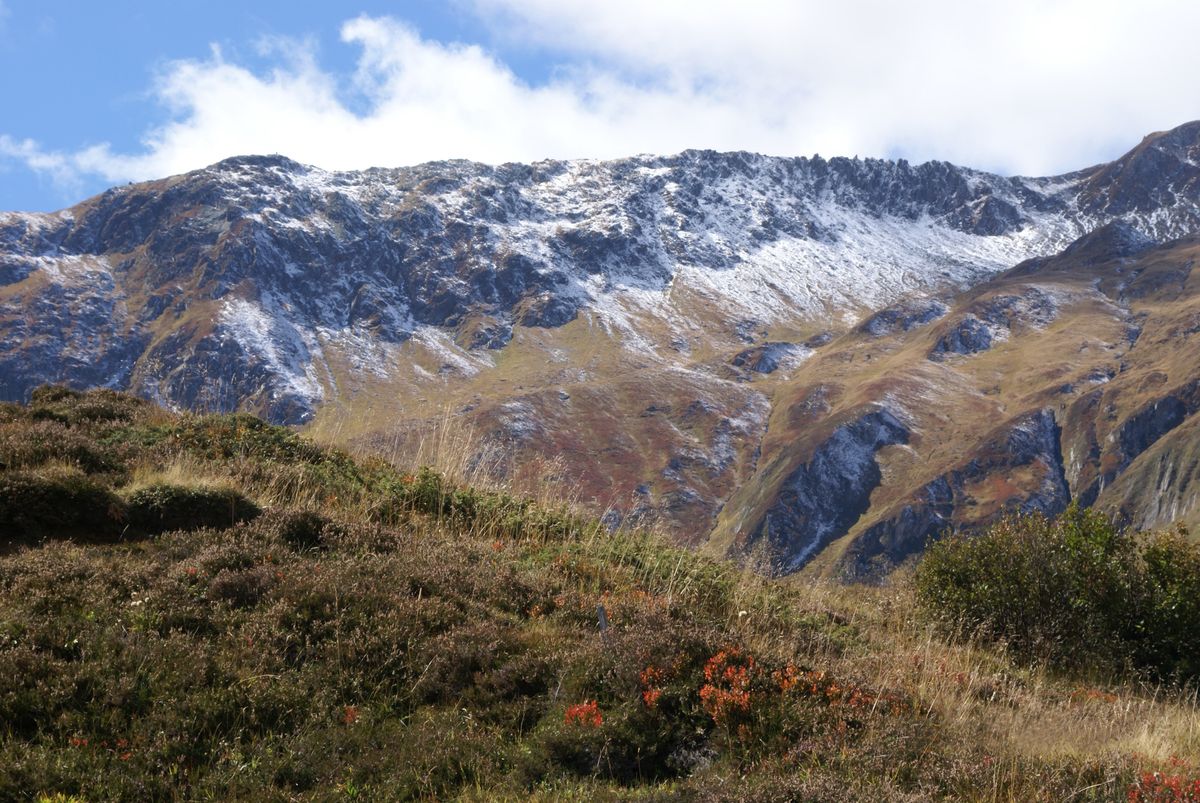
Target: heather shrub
10,412
241,588
304,529
59,403
161,507
51,394
57,502
238,435
32,444
1074,591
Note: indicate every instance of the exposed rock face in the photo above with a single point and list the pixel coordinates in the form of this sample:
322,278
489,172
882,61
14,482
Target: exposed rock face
1155,419
768,357
968,336
766,354
1163,168
1032,441
993,319
825,496
904,316
1118,239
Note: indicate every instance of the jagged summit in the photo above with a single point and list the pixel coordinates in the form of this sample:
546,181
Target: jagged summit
1163,169
264,161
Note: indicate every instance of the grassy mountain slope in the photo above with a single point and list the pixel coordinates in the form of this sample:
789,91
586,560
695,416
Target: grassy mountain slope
209,607
1067,378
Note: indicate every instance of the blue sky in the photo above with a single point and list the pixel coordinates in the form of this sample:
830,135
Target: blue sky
96,94
77,73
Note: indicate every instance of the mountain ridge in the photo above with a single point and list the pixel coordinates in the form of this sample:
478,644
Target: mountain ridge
646,317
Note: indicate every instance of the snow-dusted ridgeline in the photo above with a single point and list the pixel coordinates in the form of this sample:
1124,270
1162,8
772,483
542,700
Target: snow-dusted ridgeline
297,258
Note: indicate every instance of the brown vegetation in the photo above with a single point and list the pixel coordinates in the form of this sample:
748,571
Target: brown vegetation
381,635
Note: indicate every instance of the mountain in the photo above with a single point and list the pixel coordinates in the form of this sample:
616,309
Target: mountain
795,362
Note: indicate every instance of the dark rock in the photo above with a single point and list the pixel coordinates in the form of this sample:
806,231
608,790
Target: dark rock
903,317
968,336
1149,423
818,340
1118,239
766,358
1031,440
747,330
491,336
822,499
13,271
550,311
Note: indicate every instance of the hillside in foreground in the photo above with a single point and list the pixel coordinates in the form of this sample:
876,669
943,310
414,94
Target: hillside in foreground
215,608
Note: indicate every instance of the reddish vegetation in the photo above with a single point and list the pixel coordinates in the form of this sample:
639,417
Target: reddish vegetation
652,679
728,676
586,714
1171,786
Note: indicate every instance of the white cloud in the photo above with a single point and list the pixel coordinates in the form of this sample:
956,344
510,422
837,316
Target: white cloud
1026,86
59,167
1034,87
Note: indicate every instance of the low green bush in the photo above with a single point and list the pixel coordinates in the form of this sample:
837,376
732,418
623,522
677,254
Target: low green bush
1075,591
57,502
162,507
1168,629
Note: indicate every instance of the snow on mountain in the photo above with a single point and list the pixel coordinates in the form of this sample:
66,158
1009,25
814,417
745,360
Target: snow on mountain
298,257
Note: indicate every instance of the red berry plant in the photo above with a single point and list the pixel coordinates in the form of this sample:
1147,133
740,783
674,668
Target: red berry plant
1173,785
652,679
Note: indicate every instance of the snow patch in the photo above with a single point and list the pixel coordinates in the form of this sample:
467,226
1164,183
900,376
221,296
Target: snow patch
262,331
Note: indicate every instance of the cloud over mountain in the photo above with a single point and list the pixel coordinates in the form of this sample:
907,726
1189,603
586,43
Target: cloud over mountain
1025,87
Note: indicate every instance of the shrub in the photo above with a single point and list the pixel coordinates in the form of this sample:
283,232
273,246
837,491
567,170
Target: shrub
57,502
56,402
1167,629
241,588
1074,591
302,529
162,507
238,435
28,445
52,394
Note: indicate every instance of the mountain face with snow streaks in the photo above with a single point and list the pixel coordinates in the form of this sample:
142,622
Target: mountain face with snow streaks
777,357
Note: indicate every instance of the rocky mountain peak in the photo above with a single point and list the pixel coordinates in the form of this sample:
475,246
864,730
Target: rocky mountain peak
1162,170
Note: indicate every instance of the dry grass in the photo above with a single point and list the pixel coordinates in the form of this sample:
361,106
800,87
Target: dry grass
433,656
1014,716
